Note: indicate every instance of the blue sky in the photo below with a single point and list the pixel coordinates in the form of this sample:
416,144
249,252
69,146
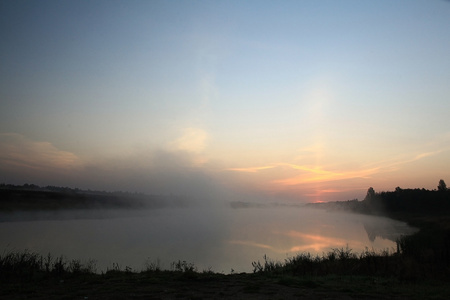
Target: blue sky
306,100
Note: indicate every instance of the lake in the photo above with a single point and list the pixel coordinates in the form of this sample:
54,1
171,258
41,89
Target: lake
220,239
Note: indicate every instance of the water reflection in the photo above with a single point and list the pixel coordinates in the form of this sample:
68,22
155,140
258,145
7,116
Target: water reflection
297,230
386,230
220,239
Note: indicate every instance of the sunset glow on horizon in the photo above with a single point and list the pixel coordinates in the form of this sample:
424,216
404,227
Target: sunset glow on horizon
292,101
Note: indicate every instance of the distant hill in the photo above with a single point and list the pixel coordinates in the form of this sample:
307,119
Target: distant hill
30,197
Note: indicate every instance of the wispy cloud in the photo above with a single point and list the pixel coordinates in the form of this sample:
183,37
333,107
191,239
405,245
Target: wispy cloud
251,169
275,165
288,174
192,140
154,171
308,173
18,152
313,175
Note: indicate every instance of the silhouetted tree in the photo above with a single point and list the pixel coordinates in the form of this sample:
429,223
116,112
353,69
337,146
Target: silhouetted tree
370,194
442,186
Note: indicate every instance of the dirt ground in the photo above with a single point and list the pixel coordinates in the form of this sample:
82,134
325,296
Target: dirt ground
217,286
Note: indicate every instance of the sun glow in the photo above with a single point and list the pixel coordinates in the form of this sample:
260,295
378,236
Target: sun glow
317,182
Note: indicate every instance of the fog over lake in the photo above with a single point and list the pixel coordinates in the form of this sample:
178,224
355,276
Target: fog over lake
220,239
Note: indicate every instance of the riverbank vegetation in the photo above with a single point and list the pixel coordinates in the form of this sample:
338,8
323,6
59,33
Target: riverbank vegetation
338,274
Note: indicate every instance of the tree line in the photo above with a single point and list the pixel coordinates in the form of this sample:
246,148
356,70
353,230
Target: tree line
401,200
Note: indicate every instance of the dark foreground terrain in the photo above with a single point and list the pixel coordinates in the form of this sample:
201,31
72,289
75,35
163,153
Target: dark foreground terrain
175,285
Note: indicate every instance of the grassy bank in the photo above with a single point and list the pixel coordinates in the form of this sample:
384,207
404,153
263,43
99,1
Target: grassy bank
339,274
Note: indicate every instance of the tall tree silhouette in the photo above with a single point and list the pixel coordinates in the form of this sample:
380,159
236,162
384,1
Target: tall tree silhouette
442,186
370,194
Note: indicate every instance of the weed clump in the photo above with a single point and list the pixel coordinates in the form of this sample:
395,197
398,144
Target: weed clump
343,262
27,266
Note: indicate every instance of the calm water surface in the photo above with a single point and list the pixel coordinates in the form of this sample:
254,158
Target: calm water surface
220,239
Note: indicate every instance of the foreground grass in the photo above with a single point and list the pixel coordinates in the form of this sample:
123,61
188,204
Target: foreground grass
409,265
339,274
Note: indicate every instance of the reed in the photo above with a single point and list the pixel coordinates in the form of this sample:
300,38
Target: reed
412,261
27,266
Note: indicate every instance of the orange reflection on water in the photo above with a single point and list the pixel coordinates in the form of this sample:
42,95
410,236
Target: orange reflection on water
314,242
250,243
299,242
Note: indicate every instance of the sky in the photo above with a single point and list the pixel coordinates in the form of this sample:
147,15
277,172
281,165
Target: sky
297,101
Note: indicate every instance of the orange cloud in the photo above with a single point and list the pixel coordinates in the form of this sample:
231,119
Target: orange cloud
16,151
322,191
305,174
251,170
323,182
309,174
320,175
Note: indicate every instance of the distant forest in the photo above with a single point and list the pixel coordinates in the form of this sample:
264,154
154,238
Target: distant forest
32,197
399,201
